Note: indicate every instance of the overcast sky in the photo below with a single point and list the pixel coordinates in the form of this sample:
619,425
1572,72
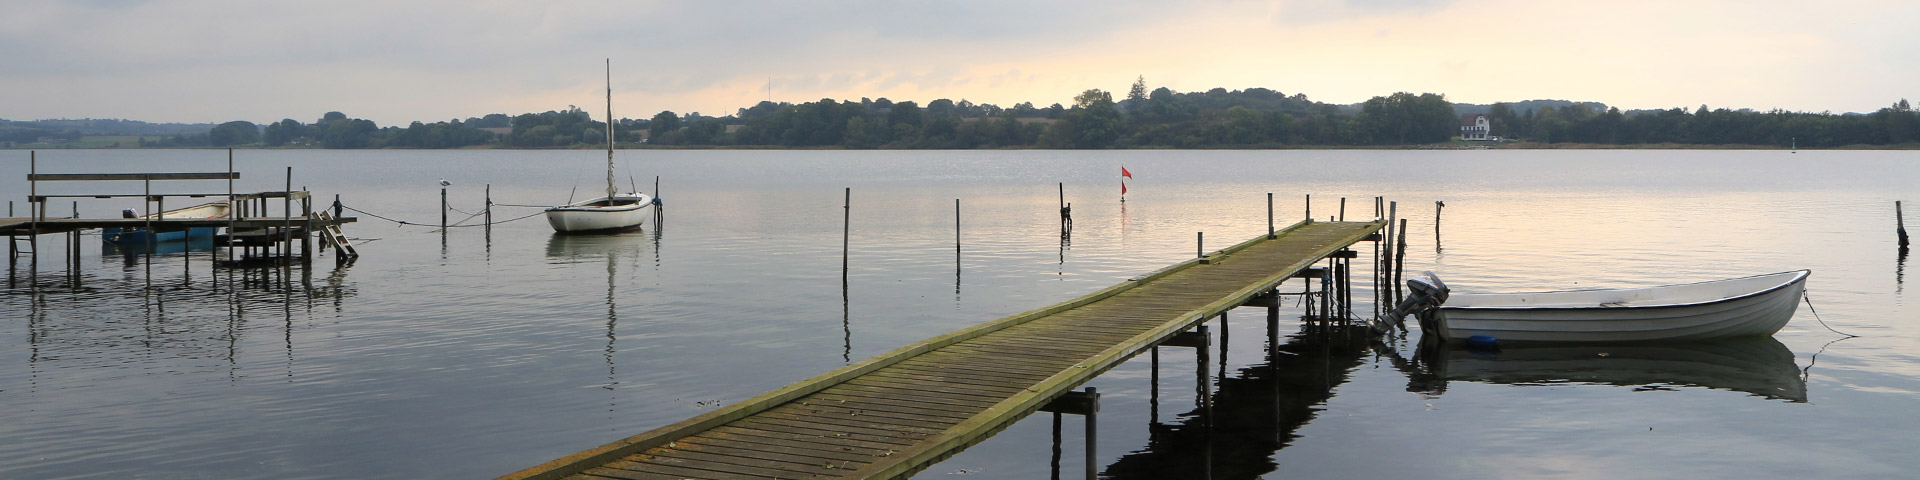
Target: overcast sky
400,61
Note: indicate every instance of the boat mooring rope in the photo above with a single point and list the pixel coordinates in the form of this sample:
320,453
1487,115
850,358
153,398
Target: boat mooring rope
456,224
1816,316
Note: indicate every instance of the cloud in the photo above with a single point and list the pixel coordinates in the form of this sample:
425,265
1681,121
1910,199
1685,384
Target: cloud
421,60
1300,12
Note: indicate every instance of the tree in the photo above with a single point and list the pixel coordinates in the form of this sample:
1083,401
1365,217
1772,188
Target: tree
1139,90
283,132
350,133
663,122
904,113
238,132
1093,122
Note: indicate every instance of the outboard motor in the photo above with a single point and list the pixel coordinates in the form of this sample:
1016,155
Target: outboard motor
1423,300
129,213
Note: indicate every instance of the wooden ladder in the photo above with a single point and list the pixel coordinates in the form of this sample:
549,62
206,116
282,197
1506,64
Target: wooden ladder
13,248
331,232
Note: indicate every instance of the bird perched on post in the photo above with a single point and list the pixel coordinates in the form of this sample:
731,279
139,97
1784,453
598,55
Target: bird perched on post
445,183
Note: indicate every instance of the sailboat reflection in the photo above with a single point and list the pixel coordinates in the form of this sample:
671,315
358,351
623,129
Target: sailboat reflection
1255,411
1760,366
612,247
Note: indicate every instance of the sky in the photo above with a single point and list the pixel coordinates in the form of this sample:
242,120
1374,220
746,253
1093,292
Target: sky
394,62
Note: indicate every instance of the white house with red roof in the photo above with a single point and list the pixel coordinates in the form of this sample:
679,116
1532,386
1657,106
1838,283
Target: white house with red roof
1475,127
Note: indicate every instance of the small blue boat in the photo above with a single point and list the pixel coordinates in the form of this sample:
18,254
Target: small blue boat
141,235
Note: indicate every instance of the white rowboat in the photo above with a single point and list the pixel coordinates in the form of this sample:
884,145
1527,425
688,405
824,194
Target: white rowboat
1752,306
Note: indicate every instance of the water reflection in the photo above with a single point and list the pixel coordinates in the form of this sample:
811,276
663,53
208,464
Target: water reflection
1900,271
155,310
1759,366
1253,413
611,248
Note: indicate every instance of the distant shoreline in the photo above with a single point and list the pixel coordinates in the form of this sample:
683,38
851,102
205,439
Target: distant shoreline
1446,146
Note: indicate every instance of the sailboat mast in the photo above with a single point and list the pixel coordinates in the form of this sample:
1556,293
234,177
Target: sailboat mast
610,189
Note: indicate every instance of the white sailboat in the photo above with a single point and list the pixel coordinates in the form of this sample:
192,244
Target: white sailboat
613,212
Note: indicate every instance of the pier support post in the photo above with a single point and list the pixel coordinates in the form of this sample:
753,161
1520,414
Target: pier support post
1153,393
306,231
1087,405
1343,209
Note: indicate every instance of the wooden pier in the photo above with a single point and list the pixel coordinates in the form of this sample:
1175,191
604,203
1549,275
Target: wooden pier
253,230
898,413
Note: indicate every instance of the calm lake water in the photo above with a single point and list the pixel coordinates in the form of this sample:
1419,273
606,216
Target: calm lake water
476,353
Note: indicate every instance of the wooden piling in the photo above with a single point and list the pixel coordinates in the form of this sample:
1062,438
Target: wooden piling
1309,207
489,208
1092,419
1200,244
1900,224
1437,205
1269,215
286,219
1400,258
233,207
846,232
33,241
1343,209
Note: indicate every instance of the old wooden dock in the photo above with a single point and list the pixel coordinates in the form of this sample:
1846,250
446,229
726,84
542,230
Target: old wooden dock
895,414
252,230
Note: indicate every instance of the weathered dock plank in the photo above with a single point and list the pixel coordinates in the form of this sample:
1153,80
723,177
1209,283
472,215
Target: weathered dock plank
892,415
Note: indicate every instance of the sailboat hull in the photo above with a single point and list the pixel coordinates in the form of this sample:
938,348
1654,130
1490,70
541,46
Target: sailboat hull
624,212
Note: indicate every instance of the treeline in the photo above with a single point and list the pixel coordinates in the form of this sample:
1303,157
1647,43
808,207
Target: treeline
1160,118
1897,124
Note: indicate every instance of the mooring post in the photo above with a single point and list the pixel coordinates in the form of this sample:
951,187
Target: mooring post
1437,205
1392,225
337,207
286,222
443,210
1309,208
73,249
1900,224
306,231
846,233
1200,244
1400,258
1269,215
489,210
1343,209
